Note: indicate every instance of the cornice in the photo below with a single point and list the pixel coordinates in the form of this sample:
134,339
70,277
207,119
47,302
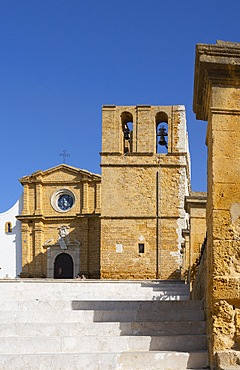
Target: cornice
215,65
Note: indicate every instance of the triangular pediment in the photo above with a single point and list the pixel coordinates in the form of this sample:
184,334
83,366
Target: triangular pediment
61,173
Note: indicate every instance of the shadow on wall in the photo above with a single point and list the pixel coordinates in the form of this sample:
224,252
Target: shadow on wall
62,260
34,268
175,275
63,267
198,274
60,253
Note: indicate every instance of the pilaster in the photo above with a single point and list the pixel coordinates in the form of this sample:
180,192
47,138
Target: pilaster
38,210
25,200
98,197
85,197
217,99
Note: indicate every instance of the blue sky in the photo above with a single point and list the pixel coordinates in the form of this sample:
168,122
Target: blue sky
61,60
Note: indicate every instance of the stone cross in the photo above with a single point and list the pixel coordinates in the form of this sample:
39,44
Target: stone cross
64,154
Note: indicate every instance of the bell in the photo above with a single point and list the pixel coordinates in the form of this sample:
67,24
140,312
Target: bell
162,133
126,133
162,141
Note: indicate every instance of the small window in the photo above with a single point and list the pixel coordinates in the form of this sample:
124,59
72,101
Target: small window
8,227
141,248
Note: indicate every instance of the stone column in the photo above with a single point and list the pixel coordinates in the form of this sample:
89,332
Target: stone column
217,100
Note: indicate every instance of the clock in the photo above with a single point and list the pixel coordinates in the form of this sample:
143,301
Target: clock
62,200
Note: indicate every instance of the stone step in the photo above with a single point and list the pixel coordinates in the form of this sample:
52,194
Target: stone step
39,304
100,325
84,344
91,290
137,305
106,361
102,328
100,316
146,315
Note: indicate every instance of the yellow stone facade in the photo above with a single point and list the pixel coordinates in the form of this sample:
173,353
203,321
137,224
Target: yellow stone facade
143,191
194,235
217,100
134,230
44,223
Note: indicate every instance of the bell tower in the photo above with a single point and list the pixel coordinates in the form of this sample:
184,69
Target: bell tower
145,177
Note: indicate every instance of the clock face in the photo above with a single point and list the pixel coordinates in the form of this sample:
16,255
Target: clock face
65,202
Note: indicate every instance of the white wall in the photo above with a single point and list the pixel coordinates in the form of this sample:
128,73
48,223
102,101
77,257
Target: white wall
10,243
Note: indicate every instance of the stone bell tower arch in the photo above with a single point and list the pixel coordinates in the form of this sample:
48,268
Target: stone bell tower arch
143,188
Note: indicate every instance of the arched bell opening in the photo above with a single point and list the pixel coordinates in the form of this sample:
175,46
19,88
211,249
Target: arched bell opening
127,130
161,133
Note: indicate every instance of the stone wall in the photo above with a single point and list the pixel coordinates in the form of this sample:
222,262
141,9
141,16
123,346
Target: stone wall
199,281
217,99
195,205
143,192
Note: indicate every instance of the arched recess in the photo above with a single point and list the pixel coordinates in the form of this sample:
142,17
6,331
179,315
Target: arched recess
52,253
161,132
63,266
127,130
8,227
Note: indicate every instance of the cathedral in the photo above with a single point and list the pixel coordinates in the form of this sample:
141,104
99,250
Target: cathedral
126,223
139,219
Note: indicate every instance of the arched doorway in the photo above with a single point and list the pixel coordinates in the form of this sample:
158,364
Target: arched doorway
63,266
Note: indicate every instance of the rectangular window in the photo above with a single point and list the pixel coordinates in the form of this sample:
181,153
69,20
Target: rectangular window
141,248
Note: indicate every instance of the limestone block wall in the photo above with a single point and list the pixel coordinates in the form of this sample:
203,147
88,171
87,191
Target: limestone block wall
217,99
199,281
143,192
195,205
224,217
122,259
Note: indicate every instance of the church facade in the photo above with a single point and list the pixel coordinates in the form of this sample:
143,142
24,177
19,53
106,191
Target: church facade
126,223
60,223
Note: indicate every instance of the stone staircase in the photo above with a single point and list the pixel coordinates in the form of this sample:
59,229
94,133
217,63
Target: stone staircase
100,325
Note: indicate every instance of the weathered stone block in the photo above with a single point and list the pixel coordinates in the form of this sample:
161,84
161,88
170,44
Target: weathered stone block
226,288
229,359
223,325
